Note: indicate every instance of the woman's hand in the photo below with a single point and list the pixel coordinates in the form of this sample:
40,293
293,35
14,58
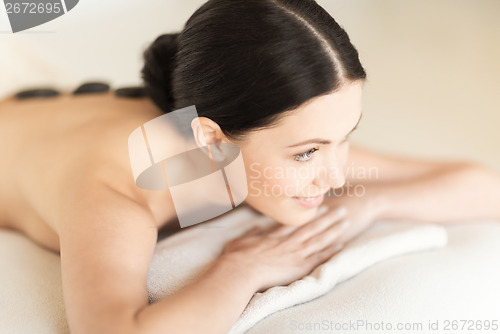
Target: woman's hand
283,254
361,212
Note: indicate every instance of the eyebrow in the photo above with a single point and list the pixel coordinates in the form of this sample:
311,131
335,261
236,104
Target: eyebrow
324,141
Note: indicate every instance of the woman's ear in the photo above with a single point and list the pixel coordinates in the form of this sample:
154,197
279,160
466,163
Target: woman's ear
208,135
207,132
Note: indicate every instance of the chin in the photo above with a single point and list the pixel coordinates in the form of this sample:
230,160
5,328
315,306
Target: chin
297,219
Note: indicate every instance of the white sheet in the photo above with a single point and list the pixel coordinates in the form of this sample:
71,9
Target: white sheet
184,256
459,281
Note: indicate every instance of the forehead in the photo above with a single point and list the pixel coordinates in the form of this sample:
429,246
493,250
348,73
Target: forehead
330,116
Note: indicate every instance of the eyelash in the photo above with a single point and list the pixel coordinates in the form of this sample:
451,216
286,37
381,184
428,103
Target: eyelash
306,156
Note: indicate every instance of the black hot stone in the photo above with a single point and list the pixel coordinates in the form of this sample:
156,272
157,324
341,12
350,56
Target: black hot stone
131,92
37,93
92,88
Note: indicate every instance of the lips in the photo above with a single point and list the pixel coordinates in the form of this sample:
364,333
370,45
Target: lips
309,202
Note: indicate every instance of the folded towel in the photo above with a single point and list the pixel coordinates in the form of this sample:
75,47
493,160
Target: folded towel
181,258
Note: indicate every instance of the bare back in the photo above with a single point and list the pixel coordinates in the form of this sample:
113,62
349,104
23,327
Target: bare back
42,140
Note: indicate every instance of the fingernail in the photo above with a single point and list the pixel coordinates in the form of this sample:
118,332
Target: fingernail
339,246
342,211
322,209
345,223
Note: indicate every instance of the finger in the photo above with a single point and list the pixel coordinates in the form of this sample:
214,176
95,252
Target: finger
252,231
325,254
281,230
318,225
328,237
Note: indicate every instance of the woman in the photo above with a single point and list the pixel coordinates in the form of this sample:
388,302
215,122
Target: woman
278,78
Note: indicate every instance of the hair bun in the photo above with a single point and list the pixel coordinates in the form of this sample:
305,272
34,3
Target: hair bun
159,64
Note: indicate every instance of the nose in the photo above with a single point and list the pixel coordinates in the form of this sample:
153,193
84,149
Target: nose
330,174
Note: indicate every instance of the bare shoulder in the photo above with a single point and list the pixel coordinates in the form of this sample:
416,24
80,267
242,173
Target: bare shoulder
107,239
68,146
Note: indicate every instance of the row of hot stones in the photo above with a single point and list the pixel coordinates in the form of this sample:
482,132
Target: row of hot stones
86,88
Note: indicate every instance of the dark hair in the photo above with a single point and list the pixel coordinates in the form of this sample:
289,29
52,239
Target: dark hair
243,63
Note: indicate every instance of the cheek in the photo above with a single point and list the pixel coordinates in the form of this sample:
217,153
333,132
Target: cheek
271,180
270,189
343,153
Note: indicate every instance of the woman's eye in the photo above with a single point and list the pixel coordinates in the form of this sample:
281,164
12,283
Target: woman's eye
306,155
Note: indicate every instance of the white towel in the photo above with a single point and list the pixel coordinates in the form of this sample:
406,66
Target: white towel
184,256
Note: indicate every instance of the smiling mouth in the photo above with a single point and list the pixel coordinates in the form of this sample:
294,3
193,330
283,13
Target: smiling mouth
311,198
309,202
307,198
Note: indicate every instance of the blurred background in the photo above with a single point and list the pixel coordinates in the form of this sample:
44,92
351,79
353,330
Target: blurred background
433,66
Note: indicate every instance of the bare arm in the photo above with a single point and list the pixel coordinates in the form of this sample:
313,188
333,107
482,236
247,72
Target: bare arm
425,190
108,239
210,305
107,242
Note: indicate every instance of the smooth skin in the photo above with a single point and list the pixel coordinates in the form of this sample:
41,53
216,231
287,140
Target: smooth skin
66,182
